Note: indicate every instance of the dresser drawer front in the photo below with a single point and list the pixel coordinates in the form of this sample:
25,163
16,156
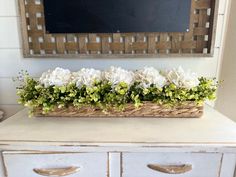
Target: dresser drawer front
65,164
170,165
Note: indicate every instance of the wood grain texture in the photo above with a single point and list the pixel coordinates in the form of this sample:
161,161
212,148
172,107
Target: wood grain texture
191,43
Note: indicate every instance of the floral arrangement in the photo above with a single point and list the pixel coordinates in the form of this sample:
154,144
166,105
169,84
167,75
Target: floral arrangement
114,87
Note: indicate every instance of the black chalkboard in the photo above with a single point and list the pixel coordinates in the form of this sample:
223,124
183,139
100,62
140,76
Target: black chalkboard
111,16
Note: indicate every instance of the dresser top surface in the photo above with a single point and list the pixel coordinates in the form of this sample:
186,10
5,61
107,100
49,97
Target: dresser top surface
212,128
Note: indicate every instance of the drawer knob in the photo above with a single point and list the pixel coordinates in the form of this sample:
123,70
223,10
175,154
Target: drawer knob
171,169
56,171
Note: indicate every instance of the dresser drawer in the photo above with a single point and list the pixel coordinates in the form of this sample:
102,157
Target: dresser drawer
64,164
170,164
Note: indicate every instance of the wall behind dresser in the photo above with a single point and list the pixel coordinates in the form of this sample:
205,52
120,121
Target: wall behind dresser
11,60
227,98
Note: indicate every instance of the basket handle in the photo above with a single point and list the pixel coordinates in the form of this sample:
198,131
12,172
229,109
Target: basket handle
171,169
56,171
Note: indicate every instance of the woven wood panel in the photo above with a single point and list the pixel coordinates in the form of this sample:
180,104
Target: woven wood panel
198,41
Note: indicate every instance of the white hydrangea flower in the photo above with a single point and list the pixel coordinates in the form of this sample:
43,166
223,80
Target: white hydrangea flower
115,75
45,77
57,77
148,76
182,79
86,76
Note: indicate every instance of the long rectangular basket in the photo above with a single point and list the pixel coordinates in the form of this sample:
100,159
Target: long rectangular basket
148,109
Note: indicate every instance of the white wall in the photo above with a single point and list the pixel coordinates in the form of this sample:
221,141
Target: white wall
11,60
226,102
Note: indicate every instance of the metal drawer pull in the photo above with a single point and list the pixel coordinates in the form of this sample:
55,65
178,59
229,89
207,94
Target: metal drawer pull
171,169
56,171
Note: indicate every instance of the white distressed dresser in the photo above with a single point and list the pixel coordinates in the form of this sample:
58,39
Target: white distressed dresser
34,147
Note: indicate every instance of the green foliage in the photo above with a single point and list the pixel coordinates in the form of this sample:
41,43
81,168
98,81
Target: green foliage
103,95
172,95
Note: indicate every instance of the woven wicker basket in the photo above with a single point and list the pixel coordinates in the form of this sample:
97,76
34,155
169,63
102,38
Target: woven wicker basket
148,109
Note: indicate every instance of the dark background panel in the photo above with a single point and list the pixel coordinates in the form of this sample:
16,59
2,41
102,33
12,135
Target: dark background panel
110,16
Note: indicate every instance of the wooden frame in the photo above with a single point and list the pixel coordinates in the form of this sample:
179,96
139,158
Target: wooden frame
198,42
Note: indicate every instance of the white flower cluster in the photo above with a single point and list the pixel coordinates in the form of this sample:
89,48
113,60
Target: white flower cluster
115,75
150,76
58,77
181,78
147,76
86,77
